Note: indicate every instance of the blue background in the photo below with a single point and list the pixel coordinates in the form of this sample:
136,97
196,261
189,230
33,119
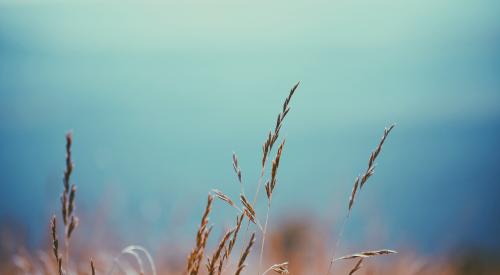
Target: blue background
159,95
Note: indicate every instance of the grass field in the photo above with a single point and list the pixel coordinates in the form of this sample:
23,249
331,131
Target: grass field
295,246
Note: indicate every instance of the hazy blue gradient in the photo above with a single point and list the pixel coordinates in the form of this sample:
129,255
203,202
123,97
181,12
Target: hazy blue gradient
160,94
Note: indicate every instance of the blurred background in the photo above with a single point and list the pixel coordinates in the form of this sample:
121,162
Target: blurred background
159,94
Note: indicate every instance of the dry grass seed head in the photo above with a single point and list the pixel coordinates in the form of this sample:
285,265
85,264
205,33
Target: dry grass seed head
72,225
71,202
265,148
68,195
223,197
64,209
92,267
274,170
55,241
201,251
211,265
236,167
66,178
55,245
204,219
231,243
69,163
373,156
360,182
269,191
272,137
353,193
356,267
367,254
202,234
241,262
280,268
387,130
249,211
282,115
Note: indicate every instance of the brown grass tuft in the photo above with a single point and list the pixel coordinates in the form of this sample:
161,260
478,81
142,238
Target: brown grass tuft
222,252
